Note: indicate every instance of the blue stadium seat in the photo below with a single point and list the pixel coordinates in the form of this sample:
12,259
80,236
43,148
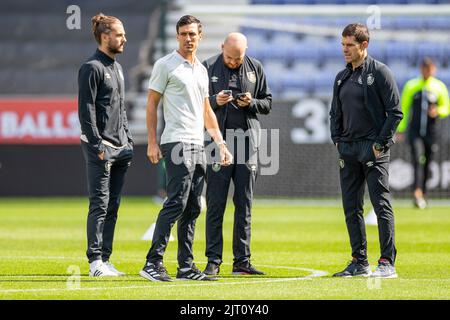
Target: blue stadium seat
275,82
359,1
349,2
285,39
444,76
399,66
377,50
392,1
410,23
423,1
324,80
329,1
302,67
275,68
442,23
305,50
434,50
299,1
400,50
296,81
333,66
341,22
266,2
292,61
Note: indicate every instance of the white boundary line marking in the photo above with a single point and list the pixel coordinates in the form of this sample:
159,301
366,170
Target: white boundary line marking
223,281
318,273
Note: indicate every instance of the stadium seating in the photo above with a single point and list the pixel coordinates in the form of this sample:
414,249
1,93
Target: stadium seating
297,61
36,44
40,55
349,2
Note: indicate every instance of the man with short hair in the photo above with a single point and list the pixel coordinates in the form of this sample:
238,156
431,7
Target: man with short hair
424,100
364,115
239,93
182,83
106,139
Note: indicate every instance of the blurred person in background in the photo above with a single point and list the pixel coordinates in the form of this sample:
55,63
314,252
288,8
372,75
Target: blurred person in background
106,140
424,100
236,109
364,116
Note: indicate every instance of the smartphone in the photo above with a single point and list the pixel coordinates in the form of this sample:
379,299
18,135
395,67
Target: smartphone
228,92
240,95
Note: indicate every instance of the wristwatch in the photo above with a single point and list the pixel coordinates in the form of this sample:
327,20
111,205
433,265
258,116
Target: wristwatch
221,142
378,146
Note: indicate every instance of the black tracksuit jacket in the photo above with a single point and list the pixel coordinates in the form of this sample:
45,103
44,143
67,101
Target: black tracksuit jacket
101,107
252,79
381,98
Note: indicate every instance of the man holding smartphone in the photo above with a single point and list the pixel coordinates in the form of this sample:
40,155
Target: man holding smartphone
238,92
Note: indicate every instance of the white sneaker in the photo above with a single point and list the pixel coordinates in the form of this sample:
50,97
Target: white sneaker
371,219
420,203
112,268
99,269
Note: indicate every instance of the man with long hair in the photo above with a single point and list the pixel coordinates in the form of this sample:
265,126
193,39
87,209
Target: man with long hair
106,139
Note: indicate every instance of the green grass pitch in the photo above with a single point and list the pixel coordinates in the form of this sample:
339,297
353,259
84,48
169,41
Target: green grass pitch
298,244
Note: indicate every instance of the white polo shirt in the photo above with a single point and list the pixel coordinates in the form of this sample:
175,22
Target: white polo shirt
184,88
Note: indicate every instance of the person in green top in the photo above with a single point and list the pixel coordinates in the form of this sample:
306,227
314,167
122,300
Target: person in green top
424,100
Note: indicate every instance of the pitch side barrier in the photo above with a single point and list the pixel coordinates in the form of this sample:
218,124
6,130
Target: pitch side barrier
40,153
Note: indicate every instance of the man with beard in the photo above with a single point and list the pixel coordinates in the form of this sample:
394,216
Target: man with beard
105,140
239,93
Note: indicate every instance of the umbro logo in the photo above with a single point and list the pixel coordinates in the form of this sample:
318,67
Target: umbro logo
107,76
214,79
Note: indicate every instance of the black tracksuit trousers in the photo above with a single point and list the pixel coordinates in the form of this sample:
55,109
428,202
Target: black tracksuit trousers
105,181
185,175
243,172
422,150
358,165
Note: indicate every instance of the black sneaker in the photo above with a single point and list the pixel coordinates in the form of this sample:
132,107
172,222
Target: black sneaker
246,268
193,274
155,272
354,269
212,269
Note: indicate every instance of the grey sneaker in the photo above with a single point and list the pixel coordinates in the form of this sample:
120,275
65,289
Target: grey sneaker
354,269
155,272
384,270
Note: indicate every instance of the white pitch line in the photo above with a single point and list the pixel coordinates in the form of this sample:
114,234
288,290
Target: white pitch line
165,286
313,271
38,258
314,274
